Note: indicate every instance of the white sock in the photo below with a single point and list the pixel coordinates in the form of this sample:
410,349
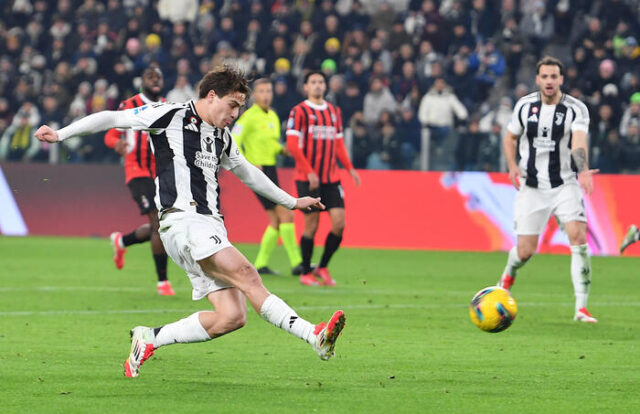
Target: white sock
581,274
513,262
277,312
183,331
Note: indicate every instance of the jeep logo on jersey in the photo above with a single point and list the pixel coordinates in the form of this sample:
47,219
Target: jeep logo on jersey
208,144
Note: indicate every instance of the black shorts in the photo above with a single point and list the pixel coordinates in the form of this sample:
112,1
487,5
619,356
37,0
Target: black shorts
331,194
269,171
143,191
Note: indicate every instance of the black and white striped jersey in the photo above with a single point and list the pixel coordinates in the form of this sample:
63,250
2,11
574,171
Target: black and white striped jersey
544,143
189,153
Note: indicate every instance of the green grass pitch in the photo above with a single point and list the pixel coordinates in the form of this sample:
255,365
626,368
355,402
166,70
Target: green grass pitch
408,346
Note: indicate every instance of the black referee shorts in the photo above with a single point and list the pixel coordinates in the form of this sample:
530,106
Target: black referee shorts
143,191
331,194
269,171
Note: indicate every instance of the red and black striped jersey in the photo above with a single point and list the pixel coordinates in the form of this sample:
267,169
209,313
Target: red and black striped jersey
315,139
139,161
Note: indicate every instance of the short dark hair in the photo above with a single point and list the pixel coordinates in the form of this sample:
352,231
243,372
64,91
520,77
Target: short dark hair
314,72
224,80
261,81
550,61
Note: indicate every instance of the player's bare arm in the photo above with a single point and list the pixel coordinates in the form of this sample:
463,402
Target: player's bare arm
309,203
580,158
46,134
509,145
314,181
355,176
121,147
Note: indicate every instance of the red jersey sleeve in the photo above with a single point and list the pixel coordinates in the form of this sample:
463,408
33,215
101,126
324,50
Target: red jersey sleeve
341,149
296,125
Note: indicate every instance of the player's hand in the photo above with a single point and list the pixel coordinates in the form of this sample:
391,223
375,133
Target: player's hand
121,147
585,179
46,134
286,152
309,203
514,176
314,181
355,176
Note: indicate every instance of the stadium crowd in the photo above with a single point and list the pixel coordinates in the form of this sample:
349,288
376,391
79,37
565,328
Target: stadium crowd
453,68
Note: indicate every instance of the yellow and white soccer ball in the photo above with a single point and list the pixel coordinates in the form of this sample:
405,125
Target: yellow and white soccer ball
493,309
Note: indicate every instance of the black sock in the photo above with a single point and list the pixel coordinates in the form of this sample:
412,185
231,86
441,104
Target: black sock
306,248
330,246
129,239
161,266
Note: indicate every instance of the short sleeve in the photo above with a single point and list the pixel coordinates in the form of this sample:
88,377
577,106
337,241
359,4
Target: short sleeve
296,122
516,125
153,117
581,121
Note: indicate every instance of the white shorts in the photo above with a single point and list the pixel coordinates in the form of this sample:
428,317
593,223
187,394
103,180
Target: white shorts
533,207
189,237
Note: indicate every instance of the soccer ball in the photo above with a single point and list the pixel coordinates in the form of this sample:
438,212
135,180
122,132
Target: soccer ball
493,309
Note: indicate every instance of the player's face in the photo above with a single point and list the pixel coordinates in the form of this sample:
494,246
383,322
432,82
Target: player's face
549,80
315,86
223,111
152,82
263,95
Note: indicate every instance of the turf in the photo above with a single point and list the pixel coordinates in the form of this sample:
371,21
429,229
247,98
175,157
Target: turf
408,346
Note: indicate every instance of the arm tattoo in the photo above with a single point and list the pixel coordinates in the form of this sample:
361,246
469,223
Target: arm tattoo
580,158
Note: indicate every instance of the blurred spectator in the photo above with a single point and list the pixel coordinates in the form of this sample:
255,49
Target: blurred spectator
284,98
538,27
182,90
631,115
511,44
631,148
178,11
360,144
377,101
438,111
488,65
467,149
18,143
352,101
409,129
463,83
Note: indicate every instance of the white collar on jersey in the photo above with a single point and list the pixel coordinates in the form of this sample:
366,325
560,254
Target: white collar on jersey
317,107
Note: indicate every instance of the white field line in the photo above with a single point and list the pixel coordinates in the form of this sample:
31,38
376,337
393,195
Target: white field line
302,308
363,290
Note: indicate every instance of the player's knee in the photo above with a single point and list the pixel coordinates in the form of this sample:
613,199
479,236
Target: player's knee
525,252
247,276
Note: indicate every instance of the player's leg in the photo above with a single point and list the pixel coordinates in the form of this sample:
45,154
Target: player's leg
142,191
532,209
231,267
311,221
288,235
580,268
268,243
632,236
518,256
571,212
331,244
230,314
120,242
160,257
